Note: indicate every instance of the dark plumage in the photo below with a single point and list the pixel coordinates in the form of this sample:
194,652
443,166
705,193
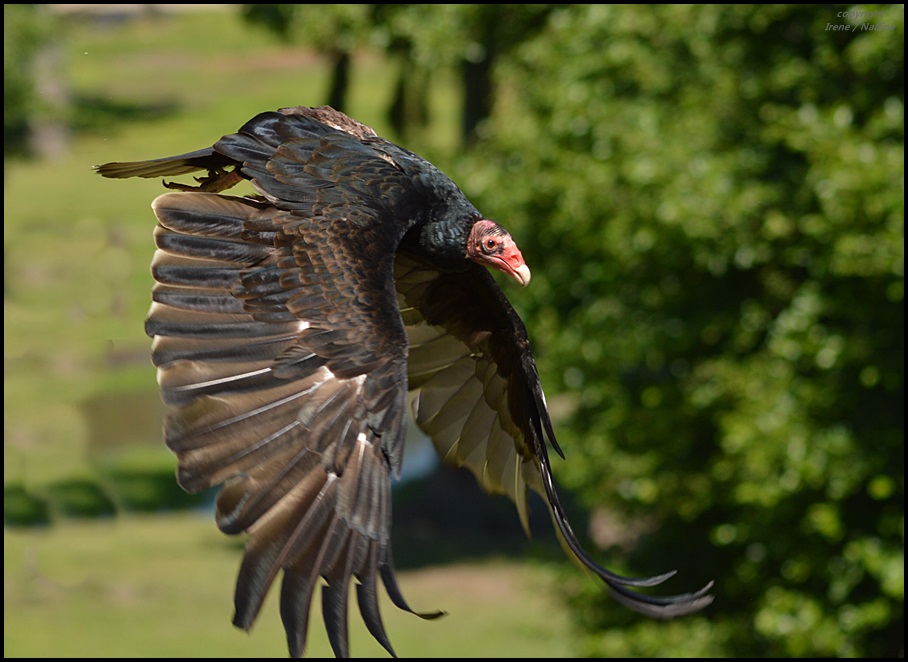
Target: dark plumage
289,328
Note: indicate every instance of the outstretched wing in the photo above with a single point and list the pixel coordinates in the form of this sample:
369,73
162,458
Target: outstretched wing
282,356
284,384
476,393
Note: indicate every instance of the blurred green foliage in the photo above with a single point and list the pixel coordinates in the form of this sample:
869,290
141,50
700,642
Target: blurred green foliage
26,28
420,41
713,197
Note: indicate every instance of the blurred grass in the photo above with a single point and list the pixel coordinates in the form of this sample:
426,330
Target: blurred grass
162,586
81,410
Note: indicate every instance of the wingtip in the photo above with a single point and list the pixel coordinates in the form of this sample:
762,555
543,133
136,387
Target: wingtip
622,588
664,608
645,581
431,615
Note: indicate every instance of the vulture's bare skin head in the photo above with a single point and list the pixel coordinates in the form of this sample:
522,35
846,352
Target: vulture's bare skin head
491,245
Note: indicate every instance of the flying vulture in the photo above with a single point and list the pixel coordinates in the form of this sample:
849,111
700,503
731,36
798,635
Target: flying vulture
292,328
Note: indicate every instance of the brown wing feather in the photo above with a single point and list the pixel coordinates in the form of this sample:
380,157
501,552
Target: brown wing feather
477,394
280,386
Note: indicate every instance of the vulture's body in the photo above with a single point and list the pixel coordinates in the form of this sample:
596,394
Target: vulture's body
291,327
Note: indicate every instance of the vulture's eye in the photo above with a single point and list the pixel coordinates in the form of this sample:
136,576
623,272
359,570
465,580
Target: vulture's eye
490,244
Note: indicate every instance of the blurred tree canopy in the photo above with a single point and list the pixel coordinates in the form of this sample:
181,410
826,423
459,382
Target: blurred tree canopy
333,30
713,197
27,29
421,38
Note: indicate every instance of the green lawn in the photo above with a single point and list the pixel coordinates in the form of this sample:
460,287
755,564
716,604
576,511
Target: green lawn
162,586
81,411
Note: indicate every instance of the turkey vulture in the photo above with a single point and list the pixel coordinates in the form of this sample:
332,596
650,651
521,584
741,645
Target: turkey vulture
291,328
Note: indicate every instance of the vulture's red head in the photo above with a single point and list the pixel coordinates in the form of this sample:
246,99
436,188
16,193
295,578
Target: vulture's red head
491,245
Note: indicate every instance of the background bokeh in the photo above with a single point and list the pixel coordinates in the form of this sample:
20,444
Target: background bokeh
711,199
